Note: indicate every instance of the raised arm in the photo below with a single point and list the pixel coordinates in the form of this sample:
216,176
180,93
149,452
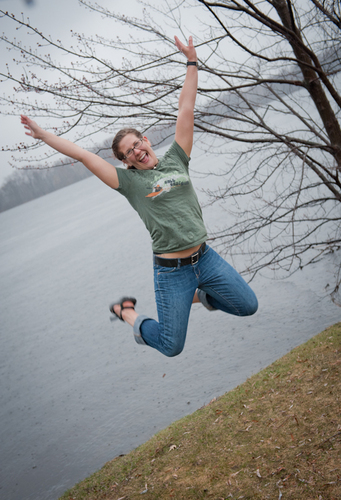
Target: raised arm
185,121
101,168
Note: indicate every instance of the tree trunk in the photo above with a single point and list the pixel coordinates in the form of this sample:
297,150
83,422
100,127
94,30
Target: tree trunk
311,78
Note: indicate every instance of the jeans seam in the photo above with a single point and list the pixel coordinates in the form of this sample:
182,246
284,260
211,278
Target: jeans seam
162,305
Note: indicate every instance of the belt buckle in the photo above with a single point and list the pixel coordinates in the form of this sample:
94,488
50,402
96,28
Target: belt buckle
194,258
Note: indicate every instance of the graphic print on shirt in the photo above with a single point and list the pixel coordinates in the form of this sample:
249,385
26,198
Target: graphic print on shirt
165,184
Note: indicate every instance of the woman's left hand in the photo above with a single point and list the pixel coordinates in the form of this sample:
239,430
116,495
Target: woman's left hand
188,50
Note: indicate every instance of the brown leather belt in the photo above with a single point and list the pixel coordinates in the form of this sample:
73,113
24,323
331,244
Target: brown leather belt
192,259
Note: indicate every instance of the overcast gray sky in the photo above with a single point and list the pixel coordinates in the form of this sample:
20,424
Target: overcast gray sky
55,18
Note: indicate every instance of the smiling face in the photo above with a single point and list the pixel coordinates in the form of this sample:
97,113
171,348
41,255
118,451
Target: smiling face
143,157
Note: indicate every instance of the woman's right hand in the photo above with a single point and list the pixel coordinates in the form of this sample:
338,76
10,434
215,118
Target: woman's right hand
32,128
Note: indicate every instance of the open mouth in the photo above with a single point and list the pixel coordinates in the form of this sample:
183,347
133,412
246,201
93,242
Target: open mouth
144,158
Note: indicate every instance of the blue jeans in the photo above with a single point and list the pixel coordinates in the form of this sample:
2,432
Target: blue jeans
219,287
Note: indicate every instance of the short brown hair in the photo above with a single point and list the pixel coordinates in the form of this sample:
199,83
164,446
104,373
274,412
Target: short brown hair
118,138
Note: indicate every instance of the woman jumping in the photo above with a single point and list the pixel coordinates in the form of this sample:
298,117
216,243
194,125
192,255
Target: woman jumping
186,269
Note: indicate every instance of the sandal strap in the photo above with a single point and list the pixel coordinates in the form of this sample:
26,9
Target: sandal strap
120,302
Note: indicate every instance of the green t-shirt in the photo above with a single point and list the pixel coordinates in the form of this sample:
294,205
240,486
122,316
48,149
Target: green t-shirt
166,201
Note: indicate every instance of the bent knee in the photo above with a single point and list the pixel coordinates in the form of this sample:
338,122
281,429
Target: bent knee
248,306
172,350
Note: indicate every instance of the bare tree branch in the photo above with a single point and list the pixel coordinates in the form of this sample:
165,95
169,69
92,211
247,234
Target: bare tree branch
268,101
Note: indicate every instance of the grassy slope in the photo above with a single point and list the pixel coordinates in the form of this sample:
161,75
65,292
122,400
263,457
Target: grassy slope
276,436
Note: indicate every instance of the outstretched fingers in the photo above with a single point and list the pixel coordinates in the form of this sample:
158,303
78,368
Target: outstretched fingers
30,126
25,122
188,50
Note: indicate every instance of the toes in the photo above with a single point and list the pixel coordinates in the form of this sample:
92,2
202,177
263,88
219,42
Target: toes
117,309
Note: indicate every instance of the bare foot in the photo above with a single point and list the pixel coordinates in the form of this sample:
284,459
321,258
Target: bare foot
126,303
129,315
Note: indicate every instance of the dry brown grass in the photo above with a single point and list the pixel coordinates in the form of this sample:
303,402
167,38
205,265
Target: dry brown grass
277,436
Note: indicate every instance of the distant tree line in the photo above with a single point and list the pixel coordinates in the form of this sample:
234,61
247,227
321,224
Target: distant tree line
25,185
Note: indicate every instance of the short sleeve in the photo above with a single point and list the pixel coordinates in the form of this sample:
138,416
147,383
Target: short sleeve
177,154
124,179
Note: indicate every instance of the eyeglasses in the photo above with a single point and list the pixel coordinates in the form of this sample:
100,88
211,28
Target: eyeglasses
136,145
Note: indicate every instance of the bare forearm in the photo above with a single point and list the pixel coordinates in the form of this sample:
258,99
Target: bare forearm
185,122
103,169
189,90
62,145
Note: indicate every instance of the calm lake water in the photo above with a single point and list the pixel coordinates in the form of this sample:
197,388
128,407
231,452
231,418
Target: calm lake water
76,390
